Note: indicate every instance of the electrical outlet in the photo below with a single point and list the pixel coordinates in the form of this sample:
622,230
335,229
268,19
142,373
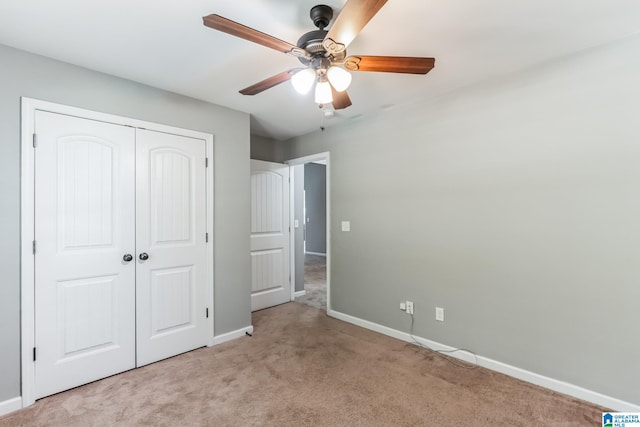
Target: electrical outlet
440,314
409,307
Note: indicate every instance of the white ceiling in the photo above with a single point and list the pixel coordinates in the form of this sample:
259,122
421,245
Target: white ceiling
164,44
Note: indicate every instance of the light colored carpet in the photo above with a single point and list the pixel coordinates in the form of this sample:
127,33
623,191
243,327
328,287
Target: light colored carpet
302,368
315,282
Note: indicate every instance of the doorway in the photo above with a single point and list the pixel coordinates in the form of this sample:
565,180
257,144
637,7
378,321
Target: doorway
310,241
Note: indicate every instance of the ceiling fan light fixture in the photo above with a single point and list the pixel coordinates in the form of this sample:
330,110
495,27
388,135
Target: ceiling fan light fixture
303,80
320,49
323,92
340,78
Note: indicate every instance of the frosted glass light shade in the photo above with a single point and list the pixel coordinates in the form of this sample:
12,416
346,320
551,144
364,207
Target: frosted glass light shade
323,93
302,81
340,78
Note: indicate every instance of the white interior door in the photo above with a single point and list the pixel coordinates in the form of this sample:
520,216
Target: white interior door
104,195
171,235
270,273
85,289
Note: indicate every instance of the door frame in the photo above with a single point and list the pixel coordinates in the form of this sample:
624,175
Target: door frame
27,208
324,156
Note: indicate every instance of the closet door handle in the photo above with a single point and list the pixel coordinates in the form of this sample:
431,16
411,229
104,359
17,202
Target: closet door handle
127,257
143,256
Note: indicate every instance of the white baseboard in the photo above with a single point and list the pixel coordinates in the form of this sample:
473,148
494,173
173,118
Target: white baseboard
297,294
521,374
315,253
229,336
10,405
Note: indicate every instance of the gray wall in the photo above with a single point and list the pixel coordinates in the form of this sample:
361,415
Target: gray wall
515,205
298,214
266,149
24,74
315,177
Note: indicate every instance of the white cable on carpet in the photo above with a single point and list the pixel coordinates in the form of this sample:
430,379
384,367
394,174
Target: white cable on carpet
441,352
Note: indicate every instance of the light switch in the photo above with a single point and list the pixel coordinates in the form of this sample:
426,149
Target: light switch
296,224
346,226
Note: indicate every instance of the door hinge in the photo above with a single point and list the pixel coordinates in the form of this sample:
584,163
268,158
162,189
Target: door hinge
207,313
35,140
206,162
34,354
206,237
33,247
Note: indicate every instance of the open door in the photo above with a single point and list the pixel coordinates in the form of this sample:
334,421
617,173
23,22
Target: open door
270,273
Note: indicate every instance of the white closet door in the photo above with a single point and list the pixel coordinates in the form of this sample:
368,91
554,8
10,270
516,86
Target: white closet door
171,246
84,227
270,275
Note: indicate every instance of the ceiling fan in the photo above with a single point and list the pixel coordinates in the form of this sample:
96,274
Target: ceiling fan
324,53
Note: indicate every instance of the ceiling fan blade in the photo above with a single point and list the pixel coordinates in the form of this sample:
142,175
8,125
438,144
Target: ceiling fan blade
351,20
341,100
228,26
268,83
390,64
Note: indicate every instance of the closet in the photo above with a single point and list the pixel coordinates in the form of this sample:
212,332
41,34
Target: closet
120,248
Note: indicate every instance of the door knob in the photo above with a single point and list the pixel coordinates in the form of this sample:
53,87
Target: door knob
127,257
144,256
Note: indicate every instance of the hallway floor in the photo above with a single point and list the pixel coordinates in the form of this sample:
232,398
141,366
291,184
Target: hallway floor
315,281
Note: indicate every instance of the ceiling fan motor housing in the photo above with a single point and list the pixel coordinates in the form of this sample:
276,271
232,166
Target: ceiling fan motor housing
311,42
